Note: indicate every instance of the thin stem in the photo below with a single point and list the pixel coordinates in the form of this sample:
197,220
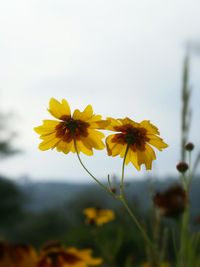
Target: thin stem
125,203
190,175
93,177
184,241
122,194
121,197
135,220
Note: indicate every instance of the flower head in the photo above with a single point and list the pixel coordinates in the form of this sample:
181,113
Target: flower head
189,146
139,137
81,126
171,202
98,216
18,255
182,167
56,255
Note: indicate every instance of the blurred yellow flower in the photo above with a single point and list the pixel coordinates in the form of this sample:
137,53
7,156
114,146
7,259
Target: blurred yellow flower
17,255
56,255
81,126
163,264
138,136
98,216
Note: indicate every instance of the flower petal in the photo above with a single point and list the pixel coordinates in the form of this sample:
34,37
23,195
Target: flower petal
59,110
157,142
48,144
47,127
150,127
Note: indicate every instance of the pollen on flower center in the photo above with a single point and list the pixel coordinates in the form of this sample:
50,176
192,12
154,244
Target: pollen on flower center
69,129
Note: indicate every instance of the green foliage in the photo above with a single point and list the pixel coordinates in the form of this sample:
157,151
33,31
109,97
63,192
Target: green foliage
6,137
11,206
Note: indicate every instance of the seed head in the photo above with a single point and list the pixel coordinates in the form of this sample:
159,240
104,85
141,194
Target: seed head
189,146
182,167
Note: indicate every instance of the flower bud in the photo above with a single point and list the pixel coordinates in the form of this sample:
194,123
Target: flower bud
189,146
182,167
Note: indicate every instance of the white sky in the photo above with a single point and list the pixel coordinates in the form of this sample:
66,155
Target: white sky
124,57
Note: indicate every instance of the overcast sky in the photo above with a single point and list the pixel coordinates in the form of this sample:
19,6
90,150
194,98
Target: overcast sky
124,57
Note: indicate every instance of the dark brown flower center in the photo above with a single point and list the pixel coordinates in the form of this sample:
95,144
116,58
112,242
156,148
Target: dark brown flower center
70,129
171,202
58,259
135,137
71,258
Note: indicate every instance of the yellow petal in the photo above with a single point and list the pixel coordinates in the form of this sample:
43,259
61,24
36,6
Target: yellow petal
117,149
95,118
71,146
63,146
112,123
77,114
101,124
48,144
84,149
157,142
90,213
48,136
133,157
95,134
150,127
85,115
146,157
93,143
128,121
47,127
59,110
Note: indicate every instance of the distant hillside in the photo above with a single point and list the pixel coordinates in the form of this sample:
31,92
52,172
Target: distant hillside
46,195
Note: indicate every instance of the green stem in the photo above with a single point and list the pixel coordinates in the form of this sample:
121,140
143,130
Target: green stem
182,262
93,177
190,172
136,222
184,238
124,202
121,197
122,194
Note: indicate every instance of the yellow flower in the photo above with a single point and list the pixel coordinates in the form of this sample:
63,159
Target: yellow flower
98,216
17,255
81,126
56,255
138,136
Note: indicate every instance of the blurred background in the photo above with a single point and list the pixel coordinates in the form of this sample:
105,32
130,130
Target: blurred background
123,57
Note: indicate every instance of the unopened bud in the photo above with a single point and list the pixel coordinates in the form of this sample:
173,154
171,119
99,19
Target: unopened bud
114,190
182,167
189,146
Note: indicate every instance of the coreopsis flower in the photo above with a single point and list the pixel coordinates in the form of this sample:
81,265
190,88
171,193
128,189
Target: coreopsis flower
139,137
98,216
171,202
81,126
17,255
56,255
